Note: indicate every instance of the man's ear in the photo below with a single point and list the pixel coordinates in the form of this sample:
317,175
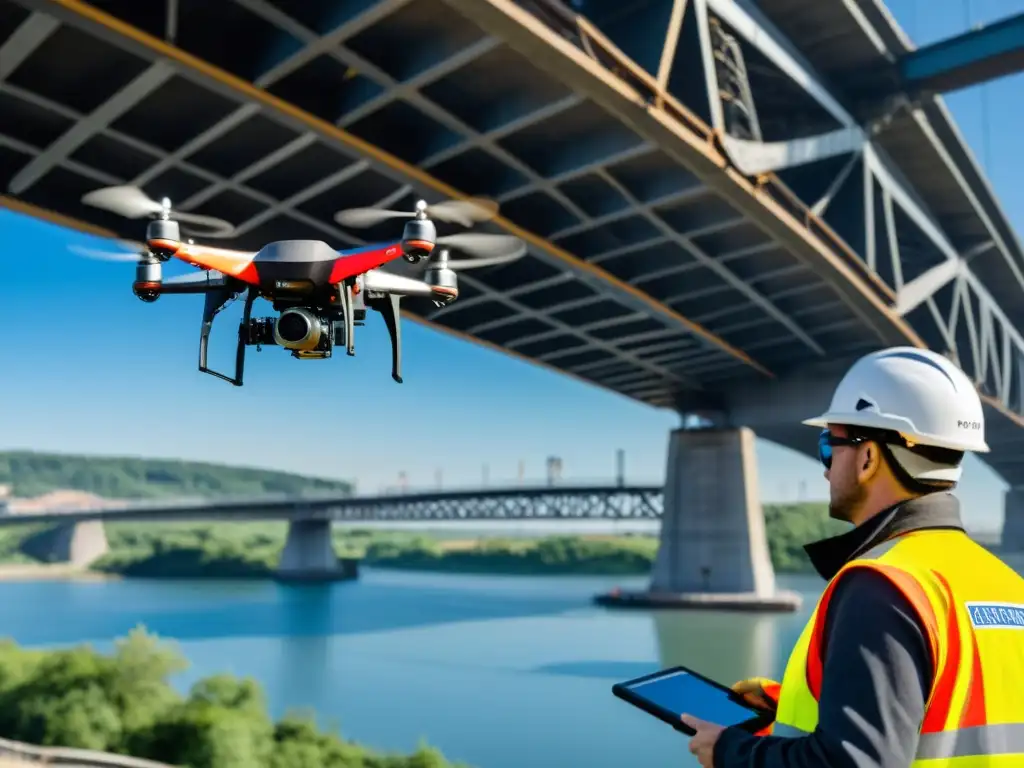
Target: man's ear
870,462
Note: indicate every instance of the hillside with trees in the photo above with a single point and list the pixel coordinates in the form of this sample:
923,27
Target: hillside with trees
33,474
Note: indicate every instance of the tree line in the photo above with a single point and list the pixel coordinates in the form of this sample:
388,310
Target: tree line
32,474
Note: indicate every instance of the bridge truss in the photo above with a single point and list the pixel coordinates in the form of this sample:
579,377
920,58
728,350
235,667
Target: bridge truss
862,204
520,503
547,504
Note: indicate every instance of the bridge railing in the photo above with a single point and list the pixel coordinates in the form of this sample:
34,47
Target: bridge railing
526,484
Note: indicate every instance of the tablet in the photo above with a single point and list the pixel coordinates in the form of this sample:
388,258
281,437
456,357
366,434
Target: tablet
670,693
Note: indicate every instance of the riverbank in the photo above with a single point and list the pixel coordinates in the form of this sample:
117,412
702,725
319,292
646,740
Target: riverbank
51,572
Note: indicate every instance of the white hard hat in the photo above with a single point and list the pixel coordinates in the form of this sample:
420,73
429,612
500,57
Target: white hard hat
917,393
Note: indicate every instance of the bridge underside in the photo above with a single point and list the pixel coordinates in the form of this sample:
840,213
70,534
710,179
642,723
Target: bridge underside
642,277
684,246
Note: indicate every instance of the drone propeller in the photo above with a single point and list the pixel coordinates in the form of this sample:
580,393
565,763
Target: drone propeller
465,212
132,203
487,250
102,254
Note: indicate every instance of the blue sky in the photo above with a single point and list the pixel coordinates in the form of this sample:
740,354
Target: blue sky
89,368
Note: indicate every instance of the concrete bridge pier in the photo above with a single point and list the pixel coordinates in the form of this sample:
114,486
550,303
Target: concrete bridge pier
309,555
79,544
713,553
1012,539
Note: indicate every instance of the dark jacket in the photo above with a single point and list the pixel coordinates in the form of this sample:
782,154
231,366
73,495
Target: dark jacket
877,662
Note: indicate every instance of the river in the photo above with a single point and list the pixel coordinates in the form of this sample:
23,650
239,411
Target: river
498,672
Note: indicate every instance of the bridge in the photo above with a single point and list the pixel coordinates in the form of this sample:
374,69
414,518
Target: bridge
77,536
718,222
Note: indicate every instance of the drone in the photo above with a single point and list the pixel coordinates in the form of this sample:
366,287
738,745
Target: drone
320,294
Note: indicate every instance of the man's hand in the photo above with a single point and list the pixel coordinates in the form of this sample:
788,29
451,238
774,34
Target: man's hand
758,691
702,744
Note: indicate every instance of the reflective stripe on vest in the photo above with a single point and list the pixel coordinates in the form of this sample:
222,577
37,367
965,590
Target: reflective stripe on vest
972,607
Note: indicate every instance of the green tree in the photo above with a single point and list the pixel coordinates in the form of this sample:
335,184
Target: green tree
123,702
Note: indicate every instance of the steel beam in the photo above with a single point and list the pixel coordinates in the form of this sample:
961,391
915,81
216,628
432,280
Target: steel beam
668,50
344,26
100,118
171,21
755,157
685,240
29,35
100,177
971,58
408,89
164,161
591,342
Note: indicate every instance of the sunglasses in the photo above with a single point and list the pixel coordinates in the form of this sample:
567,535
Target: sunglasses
827,441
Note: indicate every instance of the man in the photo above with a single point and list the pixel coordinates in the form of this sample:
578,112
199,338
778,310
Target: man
914,655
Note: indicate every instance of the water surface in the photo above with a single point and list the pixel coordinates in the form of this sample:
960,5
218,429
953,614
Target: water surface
499,672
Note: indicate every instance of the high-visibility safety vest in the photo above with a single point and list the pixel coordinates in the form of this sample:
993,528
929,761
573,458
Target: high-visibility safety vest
972,607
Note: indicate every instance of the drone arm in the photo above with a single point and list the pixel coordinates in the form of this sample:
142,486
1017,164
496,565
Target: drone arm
238,264
386,282
196,282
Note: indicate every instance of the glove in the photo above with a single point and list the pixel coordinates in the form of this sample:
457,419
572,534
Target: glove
760,692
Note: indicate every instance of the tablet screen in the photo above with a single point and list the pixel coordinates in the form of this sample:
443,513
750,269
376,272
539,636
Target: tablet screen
680,692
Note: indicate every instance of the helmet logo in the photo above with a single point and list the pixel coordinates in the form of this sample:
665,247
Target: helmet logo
864,405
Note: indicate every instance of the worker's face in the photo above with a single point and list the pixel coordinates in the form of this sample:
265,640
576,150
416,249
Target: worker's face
846,483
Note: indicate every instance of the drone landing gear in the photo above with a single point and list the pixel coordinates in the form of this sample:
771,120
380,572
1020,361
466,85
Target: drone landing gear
348,313
388,307
216,300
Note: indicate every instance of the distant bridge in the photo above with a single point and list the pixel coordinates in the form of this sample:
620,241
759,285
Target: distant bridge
78,536
559,502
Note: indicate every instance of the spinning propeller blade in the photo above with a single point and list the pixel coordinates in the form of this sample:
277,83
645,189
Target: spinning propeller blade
465,212
357,218
132,203
103,254
488,250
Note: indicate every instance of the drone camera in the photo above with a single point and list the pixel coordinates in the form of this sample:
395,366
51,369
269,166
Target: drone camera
299,329
418,239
